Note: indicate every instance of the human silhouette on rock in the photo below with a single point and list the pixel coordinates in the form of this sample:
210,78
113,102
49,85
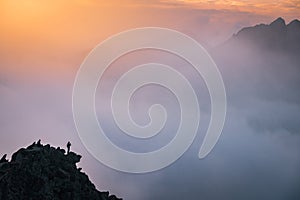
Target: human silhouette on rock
68,147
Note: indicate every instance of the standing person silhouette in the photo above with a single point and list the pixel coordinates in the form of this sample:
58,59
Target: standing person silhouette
68,146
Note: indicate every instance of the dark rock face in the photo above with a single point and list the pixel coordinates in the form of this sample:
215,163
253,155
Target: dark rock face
44,172
263,62
275,36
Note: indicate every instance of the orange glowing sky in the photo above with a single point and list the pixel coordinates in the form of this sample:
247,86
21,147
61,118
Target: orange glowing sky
286,8
61,32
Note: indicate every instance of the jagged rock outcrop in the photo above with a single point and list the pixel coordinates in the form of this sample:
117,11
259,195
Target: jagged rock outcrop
275,36
44,172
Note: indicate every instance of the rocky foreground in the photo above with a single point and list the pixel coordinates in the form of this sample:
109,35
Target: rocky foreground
42,172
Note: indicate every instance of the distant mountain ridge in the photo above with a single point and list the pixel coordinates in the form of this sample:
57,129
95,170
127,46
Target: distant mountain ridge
264,61
275,36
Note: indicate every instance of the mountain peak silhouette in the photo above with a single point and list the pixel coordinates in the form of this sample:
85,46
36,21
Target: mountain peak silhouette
295,22
294,25
276,36
279,22
44,172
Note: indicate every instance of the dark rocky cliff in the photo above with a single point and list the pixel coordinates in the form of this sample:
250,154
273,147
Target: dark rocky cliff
44,172
276,36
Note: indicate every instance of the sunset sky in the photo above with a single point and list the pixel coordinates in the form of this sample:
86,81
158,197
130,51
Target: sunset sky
45,31
46,40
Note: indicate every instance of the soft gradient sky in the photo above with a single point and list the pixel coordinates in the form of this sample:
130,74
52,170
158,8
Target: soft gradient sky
52,37
49,30
43,43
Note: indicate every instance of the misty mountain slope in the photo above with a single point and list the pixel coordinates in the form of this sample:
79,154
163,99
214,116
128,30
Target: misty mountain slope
275,36
263,54
48,173
262,64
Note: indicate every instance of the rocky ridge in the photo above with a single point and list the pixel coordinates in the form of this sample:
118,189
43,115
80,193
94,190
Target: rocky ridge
44,172
276,36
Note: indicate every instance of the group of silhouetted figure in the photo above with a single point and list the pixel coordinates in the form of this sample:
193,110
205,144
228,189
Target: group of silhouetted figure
3,158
